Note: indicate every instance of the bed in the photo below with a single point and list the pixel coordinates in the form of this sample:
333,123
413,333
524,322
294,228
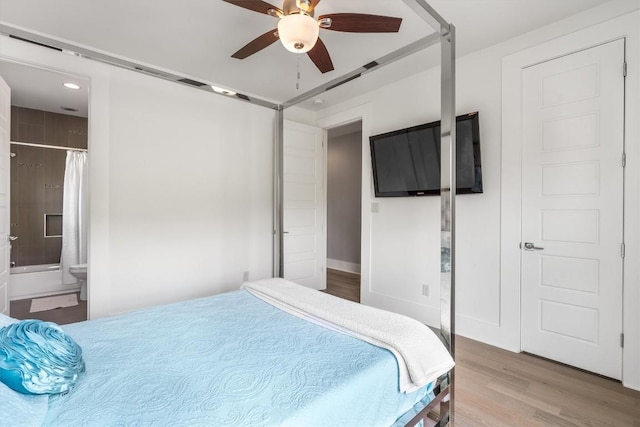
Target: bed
247,357
235,359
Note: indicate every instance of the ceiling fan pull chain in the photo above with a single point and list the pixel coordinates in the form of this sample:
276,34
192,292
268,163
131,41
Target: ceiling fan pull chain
298,72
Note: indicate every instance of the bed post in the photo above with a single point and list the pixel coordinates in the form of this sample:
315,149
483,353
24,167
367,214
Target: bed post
448,197
278,193
447,183
446,32
447,165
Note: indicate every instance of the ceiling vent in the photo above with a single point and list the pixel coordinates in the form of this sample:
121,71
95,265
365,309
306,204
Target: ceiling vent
347,80
192,82
370,65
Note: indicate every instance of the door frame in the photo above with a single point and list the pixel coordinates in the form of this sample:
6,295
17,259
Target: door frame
363,114
5,146
612,242
99,238
510,230
339,265
48,284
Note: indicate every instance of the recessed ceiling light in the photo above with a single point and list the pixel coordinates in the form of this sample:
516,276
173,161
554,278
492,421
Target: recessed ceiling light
222,91
318,101
71,86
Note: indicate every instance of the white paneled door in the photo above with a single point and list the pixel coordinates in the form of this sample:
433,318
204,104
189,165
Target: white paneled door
572,208
5,179
305,214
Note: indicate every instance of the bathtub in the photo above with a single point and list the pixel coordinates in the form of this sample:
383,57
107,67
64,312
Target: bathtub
36,281
34,268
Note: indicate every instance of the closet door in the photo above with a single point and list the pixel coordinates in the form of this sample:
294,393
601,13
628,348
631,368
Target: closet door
572,208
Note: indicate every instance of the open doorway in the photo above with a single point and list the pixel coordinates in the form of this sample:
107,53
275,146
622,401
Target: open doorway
344,201
48,193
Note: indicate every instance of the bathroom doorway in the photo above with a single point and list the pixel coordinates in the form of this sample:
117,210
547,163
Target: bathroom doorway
344,200
48,210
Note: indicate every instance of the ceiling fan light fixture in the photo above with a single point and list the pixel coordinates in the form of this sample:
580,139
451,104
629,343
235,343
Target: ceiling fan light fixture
298,32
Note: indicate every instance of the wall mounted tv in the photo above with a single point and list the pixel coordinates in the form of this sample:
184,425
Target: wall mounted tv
406,162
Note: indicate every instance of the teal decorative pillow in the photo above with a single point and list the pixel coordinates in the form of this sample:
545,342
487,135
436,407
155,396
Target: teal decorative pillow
39,358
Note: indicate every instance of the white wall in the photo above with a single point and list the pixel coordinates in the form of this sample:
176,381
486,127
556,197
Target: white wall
403,252
180,186
190,191
300,115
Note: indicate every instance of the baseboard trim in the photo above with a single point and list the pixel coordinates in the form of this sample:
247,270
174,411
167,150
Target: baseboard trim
349,267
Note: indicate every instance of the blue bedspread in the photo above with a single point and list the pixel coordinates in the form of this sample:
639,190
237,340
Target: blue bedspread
228,360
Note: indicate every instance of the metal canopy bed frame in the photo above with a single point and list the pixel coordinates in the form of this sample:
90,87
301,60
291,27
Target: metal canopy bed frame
444,35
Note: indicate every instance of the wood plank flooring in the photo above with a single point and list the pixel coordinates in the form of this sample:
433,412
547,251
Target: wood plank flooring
344,285
61,316
498,388
495,387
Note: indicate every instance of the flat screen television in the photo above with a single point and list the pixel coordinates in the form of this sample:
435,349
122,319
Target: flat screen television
406,162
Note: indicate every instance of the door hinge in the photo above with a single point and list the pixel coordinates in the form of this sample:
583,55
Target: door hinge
624,69
624,160
622,248
622,340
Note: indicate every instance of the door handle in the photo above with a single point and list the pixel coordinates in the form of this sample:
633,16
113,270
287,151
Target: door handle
528,246
12,238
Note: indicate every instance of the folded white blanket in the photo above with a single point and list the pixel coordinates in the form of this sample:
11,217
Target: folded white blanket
421,356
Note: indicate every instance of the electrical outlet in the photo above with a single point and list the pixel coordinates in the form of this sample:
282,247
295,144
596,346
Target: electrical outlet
425,290
245,276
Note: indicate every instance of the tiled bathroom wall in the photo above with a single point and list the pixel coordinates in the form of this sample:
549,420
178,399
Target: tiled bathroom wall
37,177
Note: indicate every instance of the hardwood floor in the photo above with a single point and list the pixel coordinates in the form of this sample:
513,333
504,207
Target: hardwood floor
344,285
498,388
495,387
20,310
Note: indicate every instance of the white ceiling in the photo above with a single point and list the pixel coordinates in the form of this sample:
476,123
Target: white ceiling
196,39
43,89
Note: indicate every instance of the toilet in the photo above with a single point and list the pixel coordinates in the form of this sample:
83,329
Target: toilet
80,272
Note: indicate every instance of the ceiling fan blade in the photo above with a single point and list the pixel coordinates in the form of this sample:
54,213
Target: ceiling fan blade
257,44
320,56
256,5
361,23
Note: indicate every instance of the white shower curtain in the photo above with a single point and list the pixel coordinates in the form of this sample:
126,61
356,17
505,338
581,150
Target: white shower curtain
74,214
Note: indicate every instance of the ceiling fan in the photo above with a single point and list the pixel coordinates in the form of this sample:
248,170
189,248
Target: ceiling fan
298,30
